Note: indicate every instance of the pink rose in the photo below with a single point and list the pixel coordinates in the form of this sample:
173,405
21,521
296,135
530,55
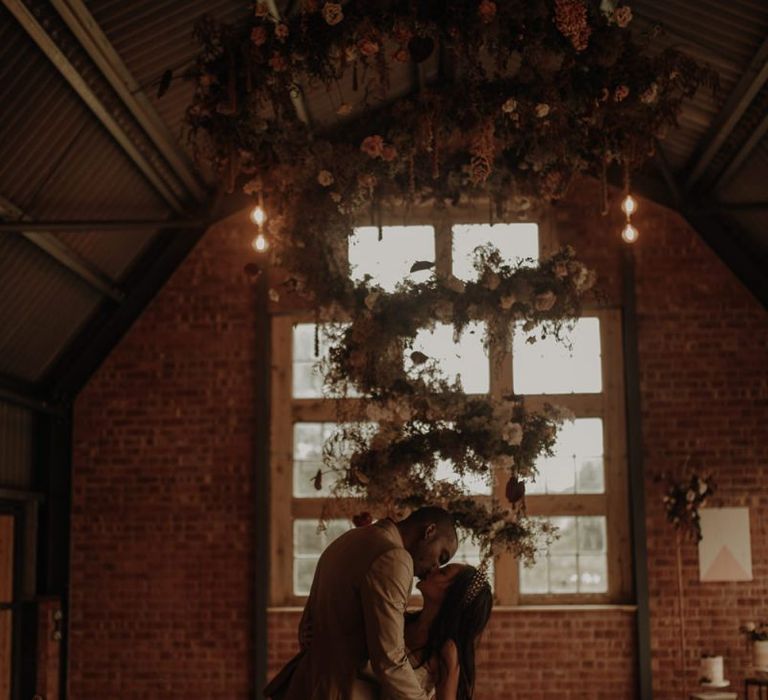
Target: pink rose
281,31
542,110
623,15
620,93
389,153
278,62
259,35
373,146
487,10
367,180
261,9
401,55
332,13
368,47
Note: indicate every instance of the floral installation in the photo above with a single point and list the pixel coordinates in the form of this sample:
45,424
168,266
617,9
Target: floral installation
755,631
393,466
369,351
682,500
528,95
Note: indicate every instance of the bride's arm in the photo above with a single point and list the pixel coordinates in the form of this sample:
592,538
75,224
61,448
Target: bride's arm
448,683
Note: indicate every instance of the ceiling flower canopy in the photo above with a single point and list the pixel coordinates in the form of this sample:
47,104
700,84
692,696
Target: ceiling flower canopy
525,94
516,98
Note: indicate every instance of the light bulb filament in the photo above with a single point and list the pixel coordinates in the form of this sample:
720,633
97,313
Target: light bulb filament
258,216
260,243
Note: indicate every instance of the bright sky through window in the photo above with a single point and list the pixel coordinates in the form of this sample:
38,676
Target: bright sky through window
388,261
516,243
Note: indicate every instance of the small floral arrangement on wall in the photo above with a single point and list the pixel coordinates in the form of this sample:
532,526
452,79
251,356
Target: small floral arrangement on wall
683,499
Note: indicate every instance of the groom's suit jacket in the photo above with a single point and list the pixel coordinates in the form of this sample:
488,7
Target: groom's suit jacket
355,612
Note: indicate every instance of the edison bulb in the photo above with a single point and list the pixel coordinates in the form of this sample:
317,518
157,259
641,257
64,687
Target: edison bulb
629,205
629,234
258,216
260,243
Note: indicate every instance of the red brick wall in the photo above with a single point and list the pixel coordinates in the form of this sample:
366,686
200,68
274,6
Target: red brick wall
162,555
162,560
535,655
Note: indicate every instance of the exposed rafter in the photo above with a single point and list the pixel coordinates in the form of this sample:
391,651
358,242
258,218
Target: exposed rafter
743,153
49,47
18,393
91,37
751,82
97,226
95,341
60,252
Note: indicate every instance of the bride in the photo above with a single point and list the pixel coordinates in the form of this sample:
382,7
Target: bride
441,637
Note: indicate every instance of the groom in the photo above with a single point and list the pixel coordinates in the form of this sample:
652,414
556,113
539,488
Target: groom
355,611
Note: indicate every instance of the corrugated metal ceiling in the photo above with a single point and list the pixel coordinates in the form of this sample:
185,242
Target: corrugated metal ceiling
58,162
42,306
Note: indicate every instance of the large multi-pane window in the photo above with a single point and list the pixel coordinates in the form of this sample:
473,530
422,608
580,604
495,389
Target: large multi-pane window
581,489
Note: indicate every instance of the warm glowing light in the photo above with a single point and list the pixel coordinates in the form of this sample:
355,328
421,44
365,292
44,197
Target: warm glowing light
260,243
629,205
629,234
258,216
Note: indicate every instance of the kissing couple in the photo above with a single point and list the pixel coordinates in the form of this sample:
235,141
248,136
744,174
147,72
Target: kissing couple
357,639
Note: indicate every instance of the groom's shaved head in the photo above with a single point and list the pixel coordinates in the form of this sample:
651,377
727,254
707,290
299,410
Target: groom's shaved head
429,535
442,519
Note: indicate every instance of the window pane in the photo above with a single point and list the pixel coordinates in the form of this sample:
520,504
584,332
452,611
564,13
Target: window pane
307,378
577,465
308,544
563,574
308,441
515,242
473,483
593,574
551,367
535,579
575,563
467,358
388,261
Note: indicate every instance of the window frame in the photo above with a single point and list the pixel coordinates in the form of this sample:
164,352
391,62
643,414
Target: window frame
607,405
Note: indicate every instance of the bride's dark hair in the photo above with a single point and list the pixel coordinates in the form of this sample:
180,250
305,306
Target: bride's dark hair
460,619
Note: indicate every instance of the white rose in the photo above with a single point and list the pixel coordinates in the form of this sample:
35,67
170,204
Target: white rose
512,434
509,106
325,178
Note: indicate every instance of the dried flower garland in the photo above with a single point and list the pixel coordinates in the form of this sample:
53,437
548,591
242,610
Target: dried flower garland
533,93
